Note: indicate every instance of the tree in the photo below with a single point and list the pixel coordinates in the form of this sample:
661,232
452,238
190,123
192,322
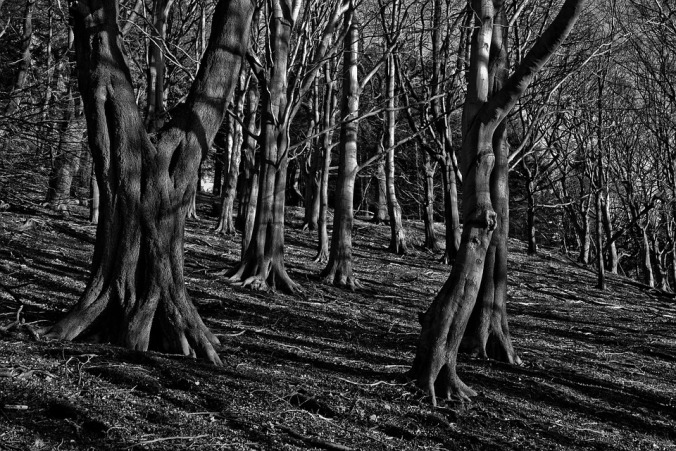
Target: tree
445,321
136,294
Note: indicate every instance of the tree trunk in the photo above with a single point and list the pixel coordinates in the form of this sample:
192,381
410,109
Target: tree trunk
339,267
226,224
24,64
431,241
397,235
444,323
584,236
530,211
68,154
613,259
328,122
380,214
452,214
487,334
157,66
648,274
95,198
250,156
262,267
136,295
313,163
600,264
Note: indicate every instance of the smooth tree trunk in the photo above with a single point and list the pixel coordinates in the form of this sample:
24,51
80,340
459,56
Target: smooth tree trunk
600,263
94,206
380,214
451,209
444,323
339,269
613,257
262,267
647,266
431,241
487,334
226,223
446,157
250,165
313,164
136,295
157,65
397,234
530,210
328,122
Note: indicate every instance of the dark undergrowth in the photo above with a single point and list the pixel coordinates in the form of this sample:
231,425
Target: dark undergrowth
323,370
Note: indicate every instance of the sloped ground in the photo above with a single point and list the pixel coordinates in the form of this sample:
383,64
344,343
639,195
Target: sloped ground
323,369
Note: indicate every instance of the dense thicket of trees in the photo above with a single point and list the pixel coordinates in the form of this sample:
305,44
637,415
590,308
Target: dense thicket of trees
418,110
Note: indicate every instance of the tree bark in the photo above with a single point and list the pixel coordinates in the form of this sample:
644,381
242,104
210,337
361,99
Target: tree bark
328,122
339,267
487,334
226,224
250,156
444,323
431,241
157,66
380,214
397,234
24,64
262,267
136,295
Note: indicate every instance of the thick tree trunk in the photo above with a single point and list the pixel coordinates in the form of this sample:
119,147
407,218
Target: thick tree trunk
262,267
95,198
339,267
487,334
136,295
444,323
431,241
397,234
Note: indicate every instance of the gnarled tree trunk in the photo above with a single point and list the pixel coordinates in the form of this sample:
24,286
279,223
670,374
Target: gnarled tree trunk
136,296
444,323
487,334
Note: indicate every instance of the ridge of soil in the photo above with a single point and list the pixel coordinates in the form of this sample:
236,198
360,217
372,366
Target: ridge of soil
323,370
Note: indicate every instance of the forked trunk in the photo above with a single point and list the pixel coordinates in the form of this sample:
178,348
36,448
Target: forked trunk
136,296
262,266
487,334
444,323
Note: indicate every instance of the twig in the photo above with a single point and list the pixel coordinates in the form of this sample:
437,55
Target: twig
314,440
375,384
164,439
14,295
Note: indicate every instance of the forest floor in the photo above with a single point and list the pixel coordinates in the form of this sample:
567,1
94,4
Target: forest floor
324,369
